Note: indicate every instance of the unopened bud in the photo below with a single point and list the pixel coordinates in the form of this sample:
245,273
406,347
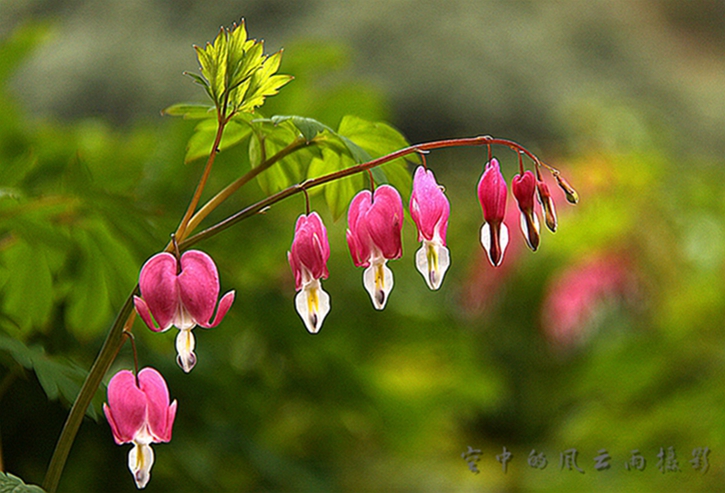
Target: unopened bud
547,203
571,195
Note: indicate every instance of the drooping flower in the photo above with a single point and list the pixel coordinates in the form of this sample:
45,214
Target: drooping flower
492,196
138,411
430,209
524,189
547,204
308,257
183,294
375,222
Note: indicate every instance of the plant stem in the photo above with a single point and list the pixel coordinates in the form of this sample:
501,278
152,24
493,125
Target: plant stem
106,356
321,180
224,194
126,316
183,225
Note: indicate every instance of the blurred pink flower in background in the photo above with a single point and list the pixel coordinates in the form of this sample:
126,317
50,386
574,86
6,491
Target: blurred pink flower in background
580,292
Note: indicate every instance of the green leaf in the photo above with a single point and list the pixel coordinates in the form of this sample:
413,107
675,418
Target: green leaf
339,193
263,83
202,140
13,484
379,139
58,377
88,306
292,169
308,127
236,73
190,111
376,138
28,292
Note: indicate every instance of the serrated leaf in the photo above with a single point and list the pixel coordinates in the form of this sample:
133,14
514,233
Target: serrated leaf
213,61
263,83
13,484
190,111
201,141
236,73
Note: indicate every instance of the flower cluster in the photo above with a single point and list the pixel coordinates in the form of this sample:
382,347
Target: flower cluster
375,222
526,187
174,292
183,290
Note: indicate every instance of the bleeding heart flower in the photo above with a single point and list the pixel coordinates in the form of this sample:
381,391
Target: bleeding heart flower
183,294
492,196
524,189
138,411
430,209
375,222
308,258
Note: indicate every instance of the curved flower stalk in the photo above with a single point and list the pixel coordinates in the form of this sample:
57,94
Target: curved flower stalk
375,222
138,411
183,294
430,209
492,196
308,257
524,189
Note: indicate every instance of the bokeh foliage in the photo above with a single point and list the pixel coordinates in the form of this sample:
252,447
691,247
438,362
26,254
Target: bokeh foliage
376,401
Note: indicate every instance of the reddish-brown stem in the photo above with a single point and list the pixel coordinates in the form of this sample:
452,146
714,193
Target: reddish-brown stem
321,180
183,225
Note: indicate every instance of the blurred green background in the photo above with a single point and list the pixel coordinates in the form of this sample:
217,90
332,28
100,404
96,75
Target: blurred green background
610,337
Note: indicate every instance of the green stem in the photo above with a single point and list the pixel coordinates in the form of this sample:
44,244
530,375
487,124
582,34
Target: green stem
224,194
106,356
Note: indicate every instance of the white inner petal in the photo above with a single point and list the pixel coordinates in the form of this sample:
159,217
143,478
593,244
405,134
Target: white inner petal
183,319
378,281
432,261
140,460
313,305
486,241
185,344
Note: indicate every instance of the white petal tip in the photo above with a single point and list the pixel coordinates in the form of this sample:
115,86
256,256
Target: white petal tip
378,281
494,253
185,344
140,460
432,261
313,305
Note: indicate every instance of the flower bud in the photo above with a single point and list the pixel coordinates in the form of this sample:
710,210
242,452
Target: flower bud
547,203
524,189
492,196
